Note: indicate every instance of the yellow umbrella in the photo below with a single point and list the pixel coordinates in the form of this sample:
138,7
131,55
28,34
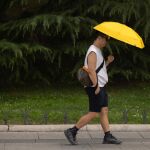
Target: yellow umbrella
120,32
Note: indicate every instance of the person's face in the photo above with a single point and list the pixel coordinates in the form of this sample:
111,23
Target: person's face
102,41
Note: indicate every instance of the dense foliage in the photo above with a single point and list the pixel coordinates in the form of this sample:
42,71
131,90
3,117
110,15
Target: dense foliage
46,40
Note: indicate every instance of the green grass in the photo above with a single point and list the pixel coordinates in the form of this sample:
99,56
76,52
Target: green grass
72,101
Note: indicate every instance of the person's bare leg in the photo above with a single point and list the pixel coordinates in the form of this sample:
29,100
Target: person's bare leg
108,138
104,119
85,119
71,132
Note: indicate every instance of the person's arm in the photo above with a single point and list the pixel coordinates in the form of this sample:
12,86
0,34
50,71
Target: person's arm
109,60
92,59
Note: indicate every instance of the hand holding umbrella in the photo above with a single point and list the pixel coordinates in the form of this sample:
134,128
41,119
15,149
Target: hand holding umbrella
110,59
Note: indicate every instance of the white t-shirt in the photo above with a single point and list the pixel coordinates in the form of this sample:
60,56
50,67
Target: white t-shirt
102,74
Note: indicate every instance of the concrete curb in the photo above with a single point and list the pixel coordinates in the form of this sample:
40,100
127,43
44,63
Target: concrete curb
62,127
3,128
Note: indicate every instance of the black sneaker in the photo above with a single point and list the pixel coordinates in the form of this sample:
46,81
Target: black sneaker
71,136
110,139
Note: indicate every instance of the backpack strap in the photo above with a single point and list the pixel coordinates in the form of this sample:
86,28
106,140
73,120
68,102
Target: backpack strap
97,70
100,67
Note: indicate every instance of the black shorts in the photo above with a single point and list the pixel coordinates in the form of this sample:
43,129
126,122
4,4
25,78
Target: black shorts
96,102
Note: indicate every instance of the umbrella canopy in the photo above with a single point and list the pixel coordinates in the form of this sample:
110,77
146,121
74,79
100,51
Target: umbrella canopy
120,32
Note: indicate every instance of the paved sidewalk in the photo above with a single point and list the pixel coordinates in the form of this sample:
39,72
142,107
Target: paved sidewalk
88,140
62,127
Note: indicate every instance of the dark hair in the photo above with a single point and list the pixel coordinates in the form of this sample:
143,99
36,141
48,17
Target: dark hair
97,33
